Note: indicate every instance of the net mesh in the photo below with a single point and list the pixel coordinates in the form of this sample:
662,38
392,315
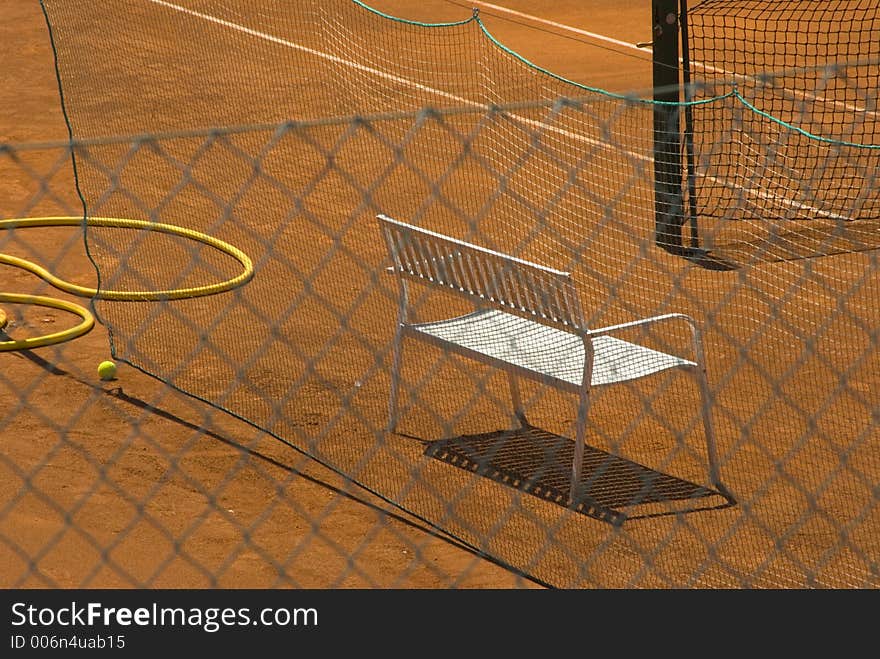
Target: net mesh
448,130
793,157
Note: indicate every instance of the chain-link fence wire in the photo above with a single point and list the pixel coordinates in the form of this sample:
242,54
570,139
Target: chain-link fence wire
128,483
302,350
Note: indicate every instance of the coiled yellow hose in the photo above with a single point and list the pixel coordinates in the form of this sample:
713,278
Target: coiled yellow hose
86,316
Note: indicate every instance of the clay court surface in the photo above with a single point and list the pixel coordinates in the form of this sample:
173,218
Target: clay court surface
177,455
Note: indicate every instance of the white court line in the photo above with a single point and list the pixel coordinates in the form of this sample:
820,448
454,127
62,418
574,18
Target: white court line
561,26
591,35
377,72
317,53
389,76
701,65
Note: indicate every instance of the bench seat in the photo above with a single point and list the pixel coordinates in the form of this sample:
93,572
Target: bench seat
544,353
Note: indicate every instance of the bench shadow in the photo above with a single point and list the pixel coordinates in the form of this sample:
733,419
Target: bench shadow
538,462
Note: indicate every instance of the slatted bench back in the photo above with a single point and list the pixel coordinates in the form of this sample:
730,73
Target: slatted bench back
512,284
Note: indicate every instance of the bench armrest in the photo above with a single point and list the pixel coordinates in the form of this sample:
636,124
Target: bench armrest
696,332
644,321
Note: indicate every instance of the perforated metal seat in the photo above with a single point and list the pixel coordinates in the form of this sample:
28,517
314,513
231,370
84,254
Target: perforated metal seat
545,353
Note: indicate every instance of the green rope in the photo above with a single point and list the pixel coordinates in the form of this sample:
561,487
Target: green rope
805,133
629,98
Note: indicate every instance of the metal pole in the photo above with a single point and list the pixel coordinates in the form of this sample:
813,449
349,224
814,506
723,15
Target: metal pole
668,203
689,124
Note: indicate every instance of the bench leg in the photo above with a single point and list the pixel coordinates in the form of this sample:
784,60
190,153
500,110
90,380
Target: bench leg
393,400
580,438
518,410
577,464
711,453
706,408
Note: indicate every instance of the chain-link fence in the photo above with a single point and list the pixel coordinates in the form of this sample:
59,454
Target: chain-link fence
308,398
256,293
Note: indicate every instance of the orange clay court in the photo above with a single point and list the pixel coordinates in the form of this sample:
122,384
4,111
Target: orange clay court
194,498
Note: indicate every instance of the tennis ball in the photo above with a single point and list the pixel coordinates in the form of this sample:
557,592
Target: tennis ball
107,370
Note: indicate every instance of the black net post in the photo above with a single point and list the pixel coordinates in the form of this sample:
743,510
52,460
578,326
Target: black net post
668,203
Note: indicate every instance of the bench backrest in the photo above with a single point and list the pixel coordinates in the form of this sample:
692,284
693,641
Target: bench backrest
527,289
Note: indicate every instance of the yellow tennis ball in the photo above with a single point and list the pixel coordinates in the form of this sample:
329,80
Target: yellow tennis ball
107,370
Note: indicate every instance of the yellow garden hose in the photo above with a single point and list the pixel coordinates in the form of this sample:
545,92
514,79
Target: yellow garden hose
87,323
88,320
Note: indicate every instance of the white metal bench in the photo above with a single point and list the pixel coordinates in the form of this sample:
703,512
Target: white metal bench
529,322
